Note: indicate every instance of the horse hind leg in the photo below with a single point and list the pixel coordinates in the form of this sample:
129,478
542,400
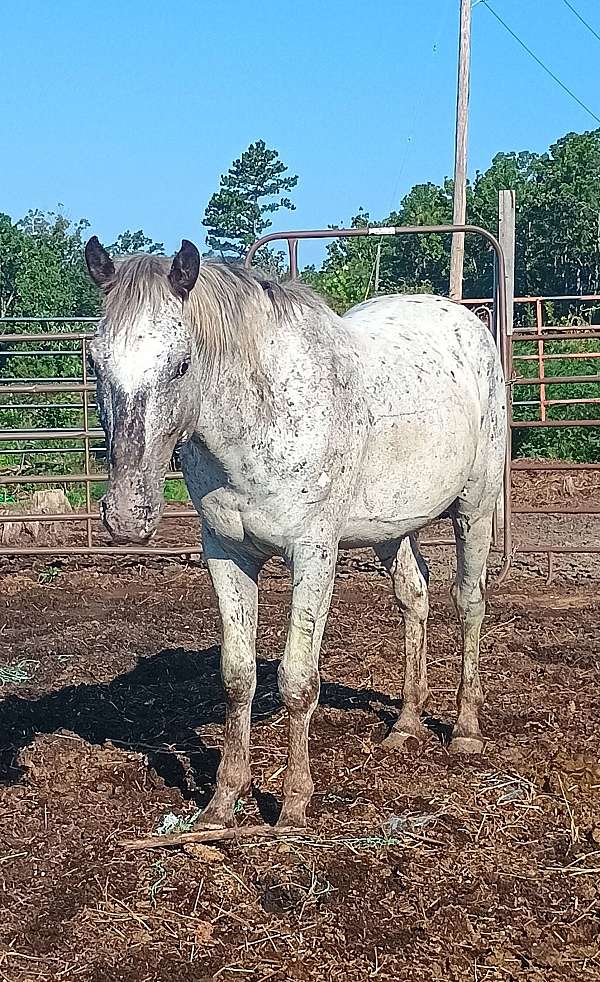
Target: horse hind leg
473,536
410,575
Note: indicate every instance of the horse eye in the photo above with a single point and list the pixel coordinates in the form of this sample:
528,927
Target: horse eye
183,368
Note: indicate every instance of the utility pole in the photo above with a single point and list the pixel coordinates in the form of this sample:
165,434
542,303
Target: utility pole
457,251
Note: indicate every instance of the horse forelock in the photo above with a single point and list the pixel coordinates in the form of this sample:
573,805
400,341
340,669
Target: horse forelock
226,312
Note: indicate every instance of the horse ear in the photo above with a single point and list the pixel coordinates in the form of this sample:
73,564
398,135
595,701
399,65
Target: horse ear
100,266
184,269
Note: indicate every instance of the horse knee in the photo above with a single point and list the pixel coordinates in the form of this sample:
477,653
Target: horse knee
299,686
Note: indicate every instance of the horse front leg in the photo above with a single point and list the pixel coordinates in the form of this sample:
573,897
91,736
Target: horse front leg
313,572
235,580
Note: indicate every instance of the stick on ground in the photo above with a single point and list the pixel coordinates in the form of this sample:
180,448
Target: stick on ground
210,835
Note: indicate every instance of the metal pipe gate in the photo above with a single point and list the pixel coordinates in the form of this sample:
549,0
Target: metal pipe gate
83,442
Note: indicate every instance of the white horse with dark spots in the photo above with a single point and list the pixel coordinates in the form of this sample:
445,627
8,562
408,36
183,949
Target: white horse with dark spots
301,432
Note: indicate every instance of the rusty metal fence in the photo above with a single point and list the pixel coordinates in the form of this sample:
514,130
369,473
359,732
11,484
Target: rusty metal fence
579,339
62,444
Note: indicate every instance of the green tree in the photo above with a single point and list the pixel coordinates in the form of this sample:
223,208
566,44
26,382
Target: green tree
519,172
42,269
255,186
565,217
346,275
405,264
414,262
129,242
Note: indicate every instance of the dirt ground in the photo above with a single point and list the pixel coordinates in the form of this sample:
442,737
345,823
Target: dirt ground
421,866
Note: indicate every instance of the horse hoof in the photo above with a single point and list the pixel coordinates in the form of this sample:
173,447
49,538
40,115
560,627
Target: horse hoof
290,823
403,741
466,745
215,818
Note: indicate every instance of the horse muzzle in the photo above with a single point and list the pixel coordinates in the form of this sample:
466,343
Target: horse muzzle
129,526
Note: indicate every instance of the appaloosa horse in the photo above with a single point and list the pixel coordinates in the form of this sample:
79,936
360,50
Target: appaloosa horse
302,432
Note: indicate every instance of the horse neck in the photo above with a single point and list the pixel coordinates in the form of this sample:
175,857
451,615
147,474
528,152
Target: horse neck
234,406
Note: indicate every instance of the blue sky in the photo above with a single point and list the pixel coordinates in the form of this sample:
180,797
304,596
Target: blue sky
127,112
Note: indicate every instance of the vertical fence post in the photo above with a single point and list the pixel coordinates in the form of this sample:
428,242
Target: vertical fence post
539,326
293,250
86,426
506,237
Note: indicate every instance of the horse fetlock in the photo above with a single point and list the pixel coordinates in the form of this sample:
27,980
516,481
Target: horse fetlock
220,811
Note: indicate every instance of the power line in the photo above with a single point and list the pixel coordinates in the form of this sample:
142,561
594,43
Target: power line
583,21
548,71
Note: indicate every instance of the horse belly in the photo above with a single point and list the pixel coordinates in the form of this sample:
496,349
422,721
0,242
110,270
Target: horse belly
413,470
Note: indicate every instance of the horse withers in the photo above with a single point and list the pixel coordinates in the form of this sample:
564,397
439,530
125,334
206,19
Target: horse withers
301,432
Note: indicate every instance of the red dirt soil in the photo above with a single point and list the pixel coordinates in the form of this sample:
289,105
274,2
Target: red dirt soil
421,866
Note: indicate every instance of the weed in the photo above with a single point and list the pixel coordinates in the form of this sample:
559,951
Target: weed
176,491
172,824
160,877
17,673
49,574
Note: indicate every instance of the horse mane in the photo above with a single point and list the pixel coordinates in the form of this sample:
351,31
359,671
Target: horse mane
226,311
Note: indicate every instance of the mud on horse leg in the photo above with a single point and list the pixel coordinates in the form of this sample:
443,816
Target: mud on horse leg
468,593
313,571
410,589
235,580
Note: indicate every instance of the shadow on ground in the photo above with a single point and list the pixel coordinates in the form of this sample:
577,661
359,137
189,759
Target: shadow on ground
157,709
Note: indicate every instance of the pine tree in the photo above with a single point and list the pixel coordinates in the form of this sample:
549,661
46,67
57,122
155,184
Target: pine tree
253,188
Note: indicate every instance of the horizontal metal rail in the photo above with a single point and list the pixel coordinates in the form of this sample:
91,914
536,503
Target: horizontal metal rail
563,356
40,406
556,510
556,465
70,478
557,380
518,424
81,516
60,550
549,548
570,402
50,343
6,352
36,388
37,337
584,298
574,335
57,434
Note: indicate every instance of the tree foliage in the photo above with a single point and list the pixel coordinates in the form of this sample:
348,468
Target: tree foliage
42,269
129,242
43,274
255,186
557,233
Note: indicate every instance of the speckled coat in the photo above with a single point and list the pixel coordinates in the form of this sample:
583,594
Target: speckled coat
302,431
